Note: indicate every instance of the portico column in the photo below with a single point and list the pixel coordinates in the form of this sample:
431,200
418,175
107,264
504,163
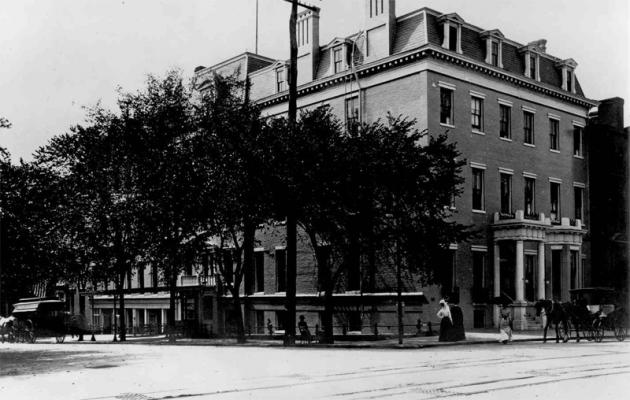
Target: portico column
146,316
496,256
519,276
540,291
497,270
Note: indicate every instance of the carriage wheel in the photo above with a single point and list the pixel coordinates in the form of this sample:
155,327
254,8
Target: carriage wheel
620,333
30,336
599,331
60,337
590,331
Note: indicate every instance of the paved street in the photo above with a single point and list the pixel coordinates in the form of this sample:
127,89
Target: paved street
525,370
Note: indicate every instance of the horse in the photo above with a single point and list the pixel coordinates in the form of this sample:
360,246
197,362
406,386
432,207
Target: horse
555,315
76,325
580,316
6,327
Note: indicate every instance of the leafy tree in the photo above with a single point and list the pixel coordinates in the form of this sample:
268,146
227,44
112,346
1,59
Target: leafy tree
231,145
161,120
376,193
102,209
36,247
4,123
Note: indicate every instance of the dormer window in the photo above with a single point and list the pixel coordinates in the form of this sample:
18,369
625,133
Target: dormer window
338,60
281,83
494,47
568,74
452,32
531,54
494,53
453,37
533,64
338,49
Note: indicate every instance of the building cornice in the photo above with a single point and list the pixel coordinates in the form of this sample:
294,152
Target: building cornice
437,53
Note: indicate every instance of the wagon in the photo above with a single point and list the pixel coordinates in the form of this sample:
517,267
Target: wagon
604,314
39,317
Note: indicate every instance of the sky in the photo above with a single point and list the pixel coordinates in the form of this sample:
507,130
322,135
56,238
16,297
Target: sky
59,56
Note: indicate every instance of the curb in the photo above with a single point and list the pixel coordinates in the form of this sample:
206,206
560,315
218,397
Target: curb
341,345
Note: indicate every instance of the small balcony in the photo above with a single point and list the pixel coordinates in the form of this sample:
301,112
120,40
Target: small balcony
537,227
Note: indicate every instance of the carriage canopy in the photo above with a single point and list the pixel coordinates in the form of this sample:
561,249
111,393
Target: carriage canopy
596,297
38,305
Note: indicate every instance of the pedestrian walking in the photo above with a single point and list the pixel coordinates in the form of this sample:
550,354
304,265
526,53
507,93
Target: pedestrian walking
305,333
269,327
505,324
446,321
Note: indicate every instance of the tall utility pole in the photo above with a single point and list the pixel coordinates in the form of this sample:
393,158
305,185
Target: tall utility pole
399,302
289,335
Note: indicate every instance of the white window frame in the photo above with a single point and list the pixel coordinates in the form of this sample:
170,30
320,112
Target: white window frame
479,97
481,168
577,125
451,90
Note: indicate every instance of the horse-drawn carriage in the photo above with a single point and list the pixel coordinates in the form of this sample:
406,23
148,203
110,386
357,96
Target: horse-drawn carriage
38,317
602,314
591,312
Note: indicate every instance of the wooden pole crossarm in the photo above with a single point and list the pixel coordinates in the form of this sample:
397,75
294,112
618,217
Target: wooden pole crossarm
301,4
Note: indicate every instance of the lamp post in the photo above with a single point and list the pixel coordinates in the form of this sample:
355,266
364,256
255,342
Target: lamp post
115,320
92,339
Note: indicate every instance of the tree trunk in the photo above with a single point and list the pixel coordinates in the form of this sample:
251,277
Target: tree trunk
289,335
238,314
121,310
327,317
172,284
249,238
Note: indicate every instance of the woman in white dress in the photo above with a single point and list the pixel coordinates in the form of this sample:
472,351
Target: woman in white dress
446,321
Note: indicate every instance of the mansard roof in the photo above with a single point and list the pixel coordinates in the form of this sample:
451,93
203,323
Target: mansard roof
422,30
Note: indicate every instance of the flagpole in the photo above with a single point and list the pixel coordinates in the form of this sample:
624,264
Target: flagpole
256,51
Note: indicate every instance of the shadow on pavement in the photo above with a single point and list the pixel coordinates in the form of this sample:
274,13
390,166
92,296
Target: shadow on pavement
30,362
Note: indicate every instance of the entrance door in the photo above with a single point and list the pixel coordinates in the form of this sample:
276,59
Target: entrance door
556,274
507,251
107,320
530,277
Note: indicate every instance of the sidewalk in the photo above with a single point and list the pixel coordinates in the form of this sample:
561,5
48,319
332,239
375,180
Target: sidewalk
478,336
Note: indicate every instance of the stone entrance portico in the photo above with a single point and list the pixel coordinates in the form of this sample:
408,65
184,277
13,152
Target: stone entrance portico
564,236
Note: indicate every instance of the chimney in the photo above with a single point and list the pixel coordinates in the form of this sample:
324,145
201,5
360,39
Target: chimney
307,29
380,28
610,113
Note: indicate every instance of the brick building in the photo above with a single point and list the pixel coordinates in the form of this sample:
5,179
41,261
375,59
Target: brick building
608,176
518,116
